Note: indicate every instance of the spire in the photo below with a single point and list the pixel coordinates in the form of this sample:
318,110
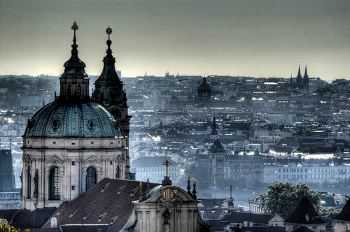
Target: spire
214,127
141,194
299,74
189,185
74,62
109,42
74,82
109,74
75,28
305,73
166,180
194,191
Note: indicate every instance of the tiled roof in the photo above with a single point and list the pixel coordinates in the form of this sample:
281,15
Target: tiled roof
305,213
344,215
23,218
107,202
85,228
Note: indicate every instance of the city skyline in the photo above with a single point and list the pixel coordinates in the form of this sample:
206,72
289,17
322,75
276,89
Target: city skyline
186,38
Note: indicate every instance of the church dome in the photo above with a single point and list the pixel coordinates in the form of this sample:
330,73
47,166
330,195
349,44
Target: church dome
78,119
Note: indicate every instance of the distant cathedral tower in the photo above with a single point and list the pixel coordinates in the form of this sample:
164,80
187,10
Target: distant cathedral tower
306,79
299,79
204,90
302,82
71,143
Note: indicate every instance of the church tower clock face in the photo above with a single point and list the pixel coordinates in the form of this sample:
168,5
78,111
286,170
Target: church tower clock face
71,143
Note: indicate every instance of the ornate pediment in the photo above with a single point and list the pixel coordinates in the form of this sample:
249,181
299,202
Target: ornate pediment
91,160
169,194
54,160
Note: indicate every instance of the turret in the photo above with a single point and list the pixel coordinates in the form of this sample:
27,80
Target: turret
74,82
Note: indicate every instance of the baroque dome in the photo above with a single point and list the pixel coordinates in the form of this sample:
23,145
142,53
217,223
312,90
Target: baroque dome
78,119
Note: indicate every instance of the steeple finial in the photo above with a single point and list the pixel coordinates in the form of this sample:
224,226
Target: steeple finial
194,191
189,185
299,74
141,194
75,28
305,74
109,42
166,180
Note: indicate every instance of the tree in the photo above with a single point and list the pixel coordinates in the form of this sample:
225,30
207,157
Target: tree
282,198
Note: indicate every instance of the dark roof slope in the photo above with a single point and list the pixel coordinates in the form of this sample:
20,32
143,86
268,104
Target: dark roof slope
216,147
85,228
344,215
23,218
305,213
107,202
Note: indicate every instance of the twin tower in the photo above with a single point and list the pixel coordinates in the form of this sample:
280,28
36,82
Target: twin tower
302,82
77,140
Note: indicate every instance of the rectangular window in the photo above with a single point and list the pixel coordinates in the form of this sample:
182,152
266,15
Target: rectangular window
73,163
73,187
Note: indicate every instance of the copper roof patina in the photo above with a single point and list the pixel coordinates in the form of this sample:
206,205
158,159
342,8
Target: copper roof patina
77,119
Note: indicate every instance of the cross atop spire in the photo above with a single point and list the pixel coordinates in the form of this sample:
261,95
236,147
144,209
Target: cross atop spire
166,164
75,28
166,180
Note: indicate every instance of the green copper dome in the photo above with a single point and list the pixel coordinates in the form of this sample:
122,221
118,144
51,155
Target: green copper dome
73,119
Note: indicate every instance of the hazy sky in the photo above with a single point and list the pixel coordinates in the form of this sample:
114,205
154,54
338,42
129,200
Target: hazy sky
236,37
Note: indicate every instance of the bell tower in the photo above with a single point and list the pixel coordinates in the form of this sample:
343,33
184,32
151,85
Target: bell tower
109,91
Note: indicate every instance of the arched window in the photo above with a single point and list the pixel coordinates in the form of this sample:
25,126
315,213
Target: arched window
29,183
91,177
55,184
117,172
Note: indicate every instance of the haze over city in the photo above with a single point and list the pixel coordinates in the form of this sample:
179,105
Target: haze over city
200,37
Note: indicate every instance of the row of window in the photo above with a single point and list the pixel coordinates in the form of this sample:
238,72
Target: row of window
55,181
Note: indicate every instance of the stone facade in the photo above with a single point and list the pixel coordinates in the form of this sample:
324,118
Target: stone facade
72,157
168,208
72,143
